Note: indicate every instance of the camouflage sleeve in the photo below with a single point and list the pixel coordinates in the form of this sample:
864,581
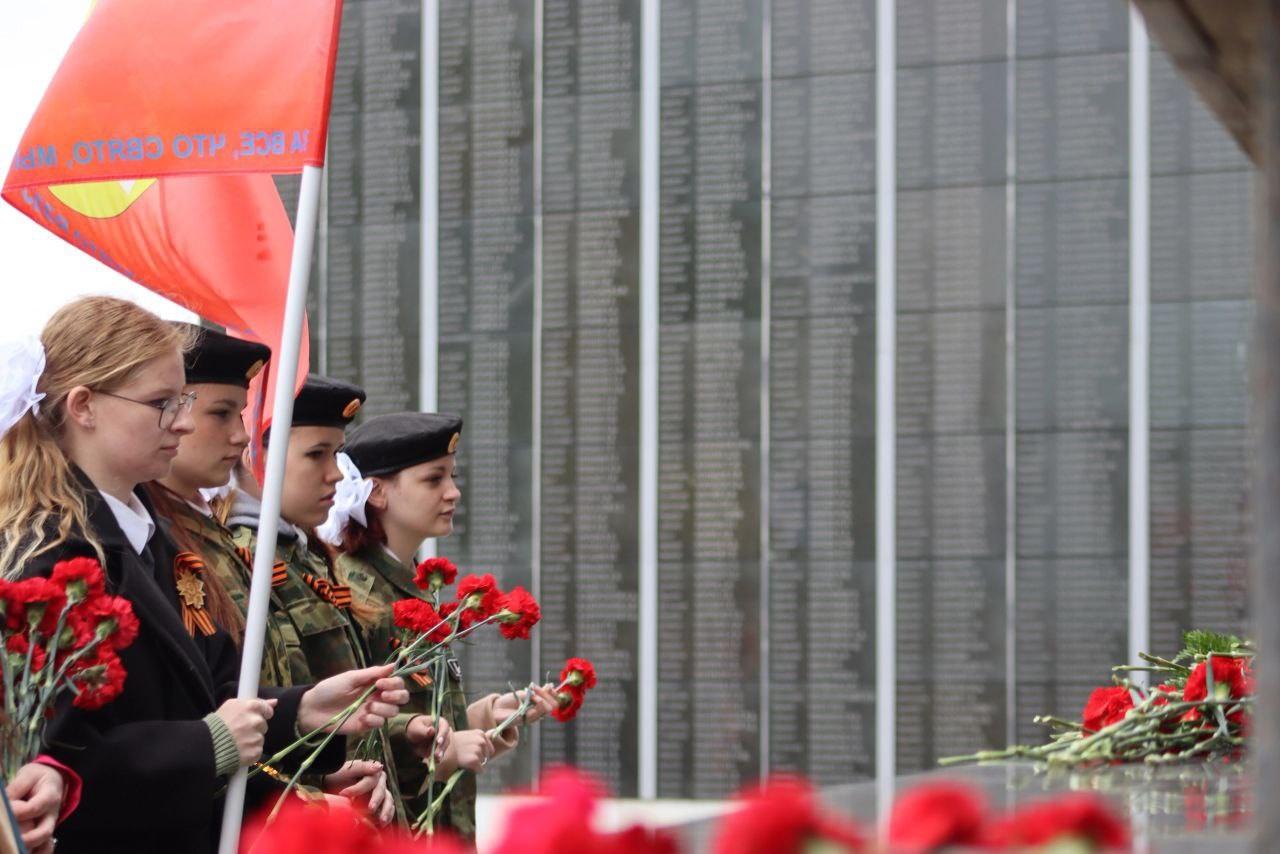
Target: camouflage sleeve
397,726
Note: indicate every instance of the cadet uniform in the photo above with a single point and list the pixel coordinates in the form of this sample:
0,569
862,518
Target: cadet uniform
232,567
321,638
381,447
208,549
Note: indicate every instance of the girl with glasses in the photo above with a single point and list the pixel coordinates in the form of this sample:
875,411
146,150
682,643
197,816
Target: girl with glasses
154,760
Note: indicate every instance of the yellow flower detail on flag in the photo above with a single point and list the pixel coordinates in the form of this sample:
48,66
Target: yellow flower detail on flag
101,199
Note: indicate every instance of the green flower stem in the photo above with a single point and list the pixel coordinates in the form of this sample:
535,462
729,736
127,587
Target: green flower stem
26,699
1165,663
1131,738
1059,722
49,690
426,822
514,716
8,734
302,769
430,658
437,705
340,718
426,661
393,780
326,729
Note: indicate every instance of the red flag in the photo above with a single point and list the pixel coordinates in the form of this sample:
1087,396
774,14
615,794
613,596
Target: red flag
154,146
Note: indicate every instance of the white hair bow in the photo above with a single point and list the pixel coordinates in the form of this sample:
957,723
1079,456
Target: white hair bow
23,359
351,493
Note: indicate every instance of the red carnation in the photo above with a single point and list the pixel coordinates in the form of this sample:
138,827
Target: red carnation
1072,817
569,701
1232,679
114,620
34,603
302,828
98,678
518,612
77,632
478,597
434,573
81,577
783,815
414,616
442,633
561,820
17,646
419,618
578,671
1106,706
636,840
936,815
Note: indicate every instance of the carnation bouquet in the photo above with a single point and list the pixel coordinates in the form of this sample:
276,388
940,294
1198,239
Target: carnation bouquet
426,629
1198,709
61,634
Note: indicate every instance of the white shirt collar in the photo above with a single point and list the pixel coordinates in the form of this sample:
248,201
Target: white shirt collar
202,507
133,519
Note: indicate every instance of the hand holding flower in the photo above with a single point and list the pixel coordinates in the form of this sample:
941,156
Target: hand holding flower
35,794
542,703
470,749
364,783
425,733
331,697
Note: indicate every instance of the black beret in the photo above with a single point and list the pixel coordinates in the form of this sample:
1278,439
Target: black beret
386,444
325,402
221,359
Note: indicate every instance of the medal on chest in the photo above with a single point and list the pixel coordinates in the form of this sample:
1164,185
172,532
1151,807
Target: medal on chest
188,570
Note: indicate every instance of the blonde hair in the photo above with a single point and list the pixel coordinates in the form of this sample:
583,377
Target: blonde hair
98,342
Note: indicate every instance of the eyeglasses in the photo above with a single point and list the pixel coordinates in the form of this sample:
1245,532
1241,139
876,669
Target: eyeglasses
169,407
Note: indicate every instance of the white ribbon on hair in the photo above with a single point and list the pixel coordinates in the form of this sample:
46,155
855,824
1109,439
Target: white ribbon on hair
351,493
23,359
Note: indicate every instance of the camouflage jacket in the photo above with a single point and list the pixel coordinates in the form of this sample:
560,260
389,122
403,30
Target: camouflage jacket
329,641
378,580
232,567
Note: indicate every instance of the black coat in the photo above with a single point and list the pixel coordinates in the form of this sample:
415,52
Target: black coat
146,758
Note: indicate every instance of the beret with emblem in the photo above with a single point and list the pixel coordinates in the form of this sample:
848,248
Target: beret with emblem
221,359
326,402
387,444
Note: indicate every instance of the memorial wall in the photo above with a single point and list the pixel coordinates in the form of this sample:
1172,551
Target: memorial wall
372,205
486,307
590,372
1201,276
1071,386
1012,247
952,83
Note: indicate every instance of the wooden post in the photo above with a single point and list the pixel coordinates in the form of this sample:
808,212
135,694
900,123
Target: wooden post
1266,430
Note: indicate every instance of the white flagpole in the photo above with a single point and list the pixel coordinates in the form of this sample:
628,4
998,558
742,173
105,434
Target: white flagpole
285,364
